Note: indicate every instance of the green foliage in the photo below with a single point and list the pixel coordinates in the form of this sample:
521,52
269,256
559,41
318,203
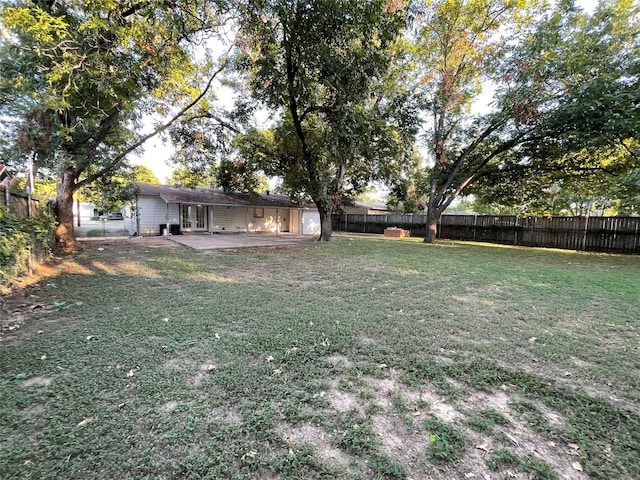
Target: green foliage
329,70
19,240
199,177
239,176
78,77
557,113
346,308
485,420
536,468
447,444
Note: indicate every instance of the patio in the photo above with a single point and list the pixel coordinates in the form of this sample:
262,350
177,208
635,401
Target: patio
238,240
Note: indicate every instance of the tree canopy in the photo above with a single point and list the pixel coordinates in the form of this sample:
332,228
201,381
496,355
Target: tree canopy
78,77
328,70
347,84
564,81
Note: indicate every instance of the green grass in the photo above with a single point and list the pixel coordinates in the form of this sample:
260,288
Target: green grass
171,363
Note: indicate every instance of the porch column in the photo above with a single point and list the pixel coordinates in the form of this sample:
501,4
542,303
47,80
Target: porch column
166,218
277,222
246,210
137,218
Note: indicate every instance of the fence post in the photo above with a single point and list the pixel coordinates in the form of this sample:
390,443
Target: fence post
584,236
475,222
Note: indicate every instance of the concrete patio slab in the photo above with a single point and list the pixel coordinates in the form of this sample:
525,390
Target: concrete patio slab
238,240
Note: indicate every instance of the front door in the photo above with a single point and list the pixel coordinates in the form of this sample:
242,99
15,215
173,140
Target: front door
193,218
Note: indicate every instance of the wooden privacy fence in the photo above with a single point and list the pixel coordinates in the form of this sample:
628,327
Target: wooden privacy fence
602,234
17,204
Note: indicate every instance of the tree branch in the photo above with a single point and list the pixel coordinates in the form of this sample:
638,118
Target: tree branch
111,165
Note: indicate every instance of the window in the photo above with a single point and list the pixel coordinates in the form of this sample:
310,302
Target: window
258,213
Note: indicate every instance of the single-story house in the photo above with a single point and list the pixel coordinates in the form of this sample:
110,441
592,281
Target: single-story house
157,208
366,208
87,211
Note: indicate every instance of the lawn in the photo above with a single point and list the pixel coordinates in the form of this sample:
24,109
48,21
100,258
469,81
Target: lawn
364,358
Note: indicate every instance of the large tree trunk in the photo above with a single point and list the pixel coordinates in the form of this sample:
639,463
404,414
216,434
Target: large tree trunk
326,229
65,235
433,215
432,225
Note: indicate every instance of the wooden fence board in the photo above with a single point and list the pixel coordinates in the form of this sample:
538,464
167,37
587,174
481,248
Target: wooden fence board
17,204
603,234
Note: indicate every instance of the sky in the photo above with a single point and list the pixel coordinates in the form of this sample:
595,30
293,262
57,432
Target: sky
157,150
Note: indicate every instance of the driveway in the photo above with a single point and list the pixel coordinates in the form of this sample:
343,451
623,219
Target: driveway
238,240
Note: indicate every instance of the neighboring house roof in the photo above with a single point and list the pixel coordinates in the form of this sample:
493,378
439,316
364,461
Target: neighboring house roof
210,196
4,173
372,206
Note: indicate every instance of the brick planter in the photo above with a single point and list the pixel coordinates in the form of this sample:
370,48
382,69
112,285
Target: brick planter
396,232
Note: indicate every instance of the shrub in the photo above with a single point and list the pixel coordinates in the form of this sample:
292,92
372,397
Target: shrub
20,239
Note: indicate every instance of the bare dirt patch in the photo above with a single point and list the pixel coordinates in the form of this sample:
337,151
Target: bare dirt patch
403,444
37,381
343,401
321,442
339,360
226,415
168,407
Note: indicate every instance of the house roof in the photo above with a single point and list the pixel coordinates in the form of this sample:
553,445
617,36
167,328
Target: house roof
4,173
211,196
372,206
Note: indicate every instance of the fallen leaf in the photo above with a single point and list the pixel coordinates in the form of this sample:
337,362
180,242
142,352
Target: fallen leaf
513,440
277,371
533,340
270,358
130,374
43,357
575,446
100,249
210,368
251,454
86,421
484,448
382,365
90,337
577,466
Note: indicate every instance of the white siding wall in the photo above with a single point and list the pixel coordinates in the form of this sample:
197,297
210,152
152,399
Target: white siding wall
310,222
294,222
270,219
233,219
87,211
153,212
